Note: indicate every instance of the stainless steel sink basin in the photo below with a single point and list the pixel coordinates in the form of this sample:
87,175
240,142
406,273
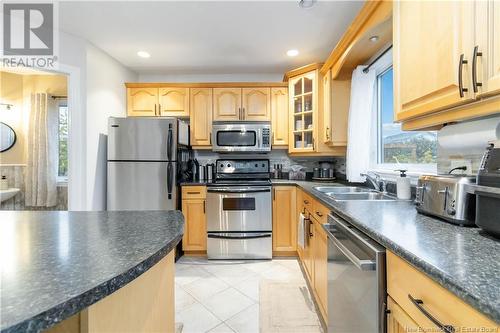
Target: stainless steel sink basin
330,190
362,196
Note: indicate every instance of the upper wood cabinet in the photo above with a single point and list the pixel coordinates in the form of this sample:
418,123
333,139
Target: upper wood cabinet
432,56
242,104
155,102
487,46
142,102
279,116
256,104
173,102
284,219
336,97
227,104
201,117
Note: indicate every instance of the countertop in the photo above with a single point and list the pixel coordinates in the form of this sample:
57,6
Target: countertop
466,261
55,264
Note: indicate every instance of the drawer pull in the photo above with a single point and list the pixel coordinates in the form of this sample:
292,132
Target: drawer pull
306,202
193,193
419,304
319,214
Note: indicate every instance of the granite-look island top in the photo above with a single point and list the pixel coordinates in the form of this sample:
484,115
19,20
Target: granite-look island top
464,260
55,264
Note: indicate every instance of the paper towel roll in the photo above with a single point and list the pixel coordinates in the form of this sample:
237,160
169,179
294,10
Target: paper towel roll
469,137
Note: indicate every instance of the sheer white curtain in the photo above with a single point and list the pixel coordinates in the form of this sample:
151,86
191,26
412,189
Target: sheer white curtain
360,126
42,159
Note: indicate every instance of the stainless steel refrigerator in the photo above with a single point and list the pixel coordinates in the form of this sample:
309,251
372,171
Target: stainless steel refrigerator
142,164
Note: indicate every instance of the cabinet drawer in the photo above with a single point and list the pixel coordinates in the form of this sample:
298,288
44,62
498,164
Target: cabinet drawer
404,280
320,212
194,192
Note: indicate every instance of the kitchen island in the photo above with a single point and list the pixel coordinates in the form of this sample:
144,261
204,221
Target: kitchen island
88,271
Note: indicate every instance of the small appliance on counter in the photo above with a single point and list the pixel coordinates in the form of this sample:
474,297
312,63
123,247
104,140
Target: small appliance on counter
446,197
325,172
488,191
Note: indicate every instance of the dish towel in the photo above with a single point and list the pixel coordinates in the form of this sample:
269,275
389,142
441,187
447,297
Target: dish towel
300,231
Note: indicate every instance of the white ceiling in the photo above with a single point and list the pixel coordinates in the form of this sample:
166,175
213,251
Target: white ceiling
207,37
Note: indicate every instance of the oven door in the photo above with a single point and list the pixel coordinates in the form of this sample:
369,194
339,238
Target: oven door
239,209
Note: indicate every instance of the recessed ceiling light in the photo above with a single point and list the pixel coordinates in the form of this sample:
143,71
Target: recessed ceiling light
374,38
292,53
306,3
143,54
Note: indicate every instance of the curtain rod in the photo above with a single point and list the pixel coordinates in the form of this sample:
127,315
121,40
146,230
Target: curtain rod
367,69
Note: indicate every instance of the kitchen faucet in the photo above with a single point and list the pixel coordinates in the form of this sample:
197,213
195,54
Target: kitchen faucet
378,183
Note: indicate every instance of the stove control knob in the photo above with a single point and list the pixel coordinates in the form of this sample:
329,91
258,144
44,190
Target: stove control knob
256,165
228,165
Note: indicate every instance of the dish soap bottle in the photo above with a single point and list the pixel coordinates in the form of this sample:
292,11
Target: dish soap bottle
4,185
403,186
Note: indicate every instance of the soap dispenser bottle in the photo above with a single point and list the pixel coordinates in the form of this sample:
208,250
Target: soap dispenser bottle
403,187
4,185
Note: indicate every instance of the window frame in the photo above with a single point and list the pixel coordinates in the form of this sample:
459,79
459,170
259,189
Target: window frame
61,180
388,169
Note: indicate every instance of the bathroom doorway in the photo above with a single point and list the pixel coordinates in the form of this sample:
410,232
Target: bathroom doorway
34,134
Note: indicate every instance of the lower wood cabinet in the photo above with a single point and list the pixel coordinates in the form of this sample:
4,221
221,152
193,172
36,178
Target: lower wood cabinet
194,210
405,281
397,320
320,248
284,220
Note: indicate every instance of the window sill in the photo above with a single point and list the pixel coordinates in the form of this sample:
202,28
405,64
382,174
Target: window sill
62,182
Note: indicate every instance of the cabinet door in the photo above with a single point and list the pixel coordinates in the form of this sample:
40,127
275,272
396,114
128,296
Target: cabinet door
279,116
487,40
341,96
227,104
256,104
320,268
284,221
195,230
142,102
174,102
201,116
429,39
398,321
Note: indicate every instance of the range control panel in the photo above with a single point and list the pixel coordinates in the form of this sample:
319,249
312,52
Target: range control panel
242,166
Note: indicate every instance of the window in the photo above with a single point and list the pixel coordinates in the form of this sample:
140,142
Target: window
62,168
413,150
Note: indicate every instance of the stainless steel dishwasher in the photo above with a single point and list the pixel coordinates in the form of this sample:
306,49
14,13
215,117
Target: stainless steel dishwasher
356,280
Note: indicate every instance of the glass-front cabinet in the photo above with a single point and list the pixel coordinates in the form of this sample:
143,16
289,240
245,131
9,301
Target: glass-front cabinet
303,112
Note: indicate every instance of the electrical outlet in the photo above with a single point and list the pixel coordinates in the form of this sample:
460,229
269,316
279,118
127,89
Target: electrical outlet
459,163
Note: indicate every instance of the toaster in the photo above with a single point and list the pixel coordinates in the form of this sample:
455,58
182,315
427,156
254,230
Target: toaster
446,197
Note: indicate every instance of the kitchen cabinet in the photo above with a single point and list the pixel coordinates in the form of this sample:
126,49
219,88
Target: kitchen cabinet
242,104
279,116
487,48
173,102
405,282
432,49
194,210
256,104
157,101
284,221
336,97
227,104
320,248
397,320
201,117
142,102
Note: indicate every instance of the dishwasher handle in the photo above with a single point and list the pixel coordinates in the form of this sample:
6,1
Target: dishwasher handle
362,264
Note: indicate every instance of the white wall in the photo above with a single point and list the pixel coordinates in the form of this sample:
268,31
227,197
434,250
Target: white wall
245,77
106,97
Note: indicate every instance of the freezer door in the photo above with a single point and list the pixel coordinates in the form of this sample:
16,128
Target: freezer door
142,185
142,139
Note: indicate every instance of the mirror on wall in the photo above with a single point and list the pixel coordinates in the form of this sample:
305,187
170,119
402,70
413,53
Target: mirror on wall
7,137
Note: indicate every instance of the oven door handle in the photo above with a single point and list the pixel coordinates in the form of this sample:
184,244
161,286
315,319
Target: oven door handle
230,190
227,236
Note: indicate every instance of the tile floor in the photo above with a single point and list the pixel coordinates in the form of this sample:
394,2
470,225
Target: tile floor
223,296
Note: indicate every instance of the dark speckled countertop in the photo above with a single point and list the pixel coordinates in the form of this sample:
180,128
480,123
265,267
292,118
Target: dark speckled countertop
463,260
55,264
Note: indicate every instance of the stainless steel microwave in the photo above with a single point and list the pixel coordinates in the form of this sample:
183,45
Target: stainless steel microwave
241,136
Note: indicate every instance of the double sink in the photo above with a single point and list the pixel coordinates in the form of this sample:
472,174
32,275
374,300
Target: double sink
348,193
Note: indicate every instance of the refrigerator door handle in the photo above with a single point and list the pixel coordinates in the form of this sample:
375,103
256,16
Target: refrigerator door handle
169,143
170,177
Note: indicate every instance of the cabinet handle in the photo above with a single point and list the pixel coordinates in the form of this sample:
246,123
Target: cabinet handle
306,202
243,116
159,109
461,88
193,193
204,206
210,138
476,54
319,214
239,113
156,113
327,133
274,194
419,304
